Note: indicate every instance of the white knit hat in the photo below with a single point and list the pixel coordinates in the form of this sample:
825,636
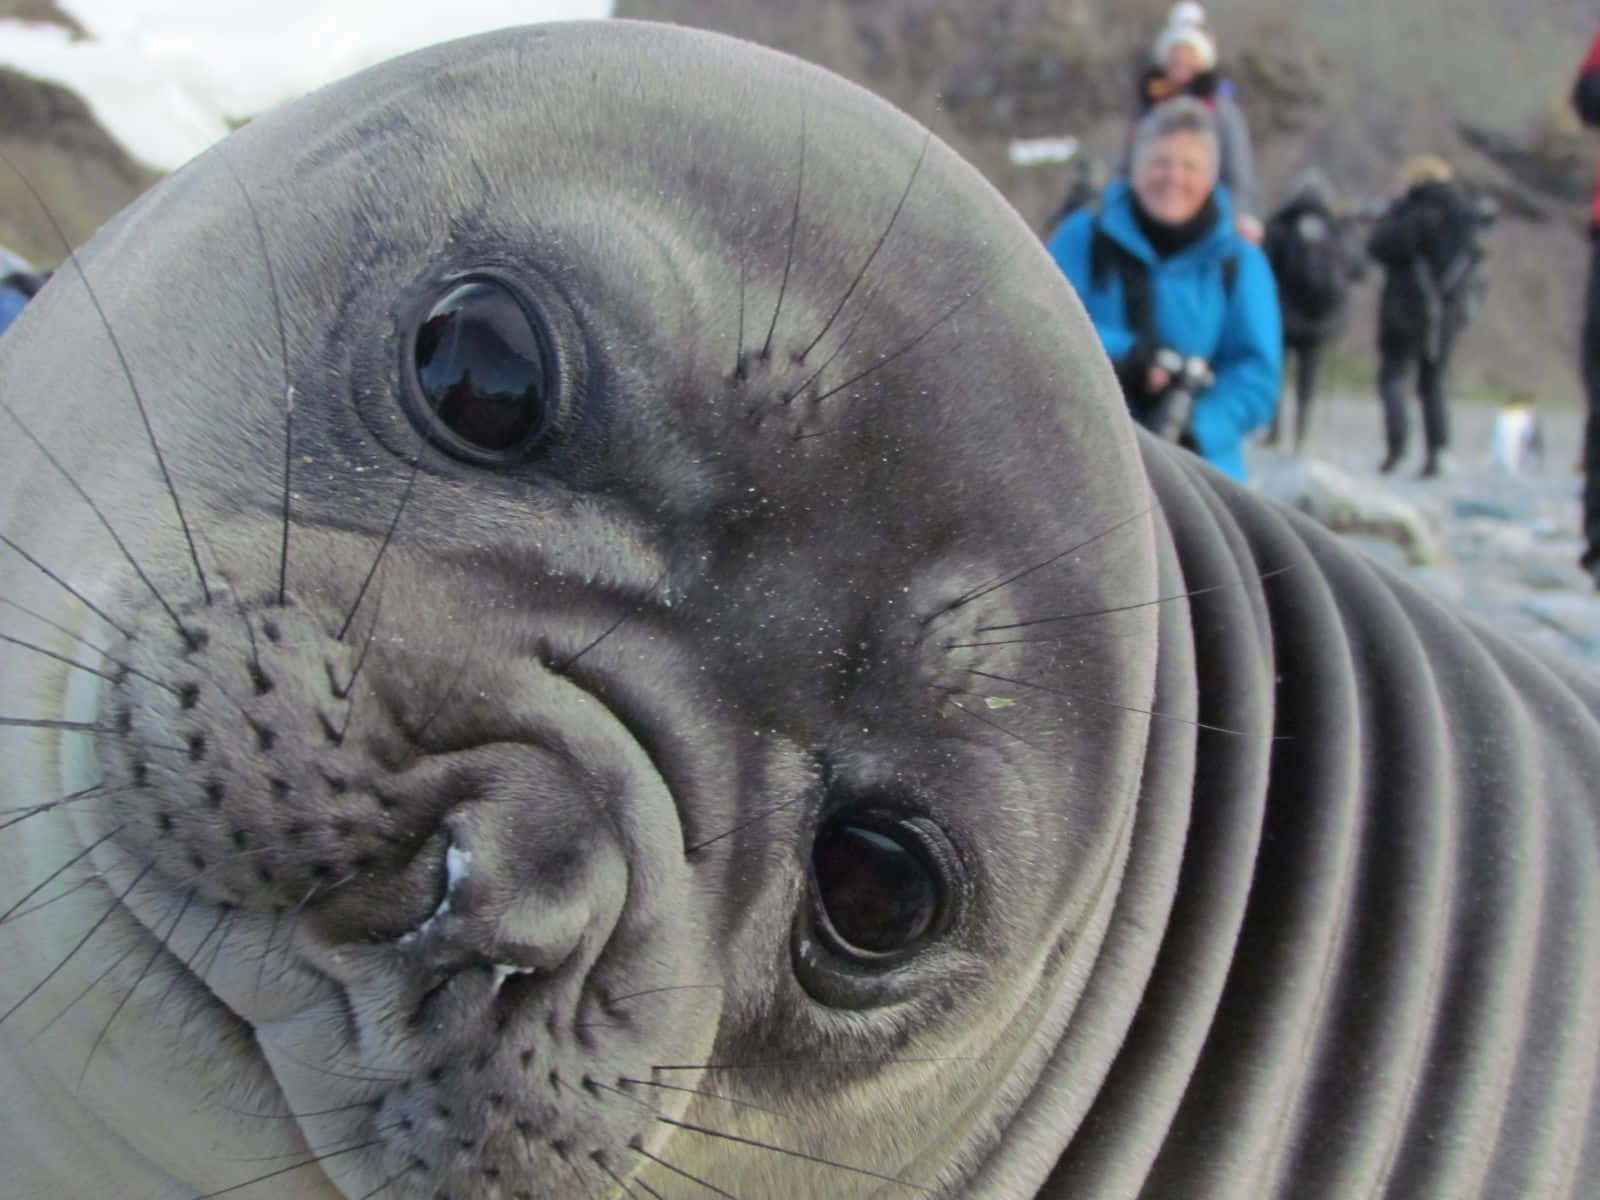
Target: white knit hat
1187,12
1192,36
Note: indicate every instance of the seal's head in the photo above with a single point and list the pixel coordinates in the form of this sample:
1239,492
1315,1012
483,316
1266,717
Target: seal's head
587,560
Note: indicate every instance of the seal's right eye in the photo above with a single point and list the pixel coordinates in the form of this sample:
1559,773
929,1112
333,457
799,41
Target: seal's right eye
483,373
881,884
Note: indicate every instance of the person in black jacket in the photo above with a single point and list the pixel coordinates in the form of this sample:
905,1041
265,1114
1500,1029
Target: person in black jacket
1586,100
1427,243
1314,263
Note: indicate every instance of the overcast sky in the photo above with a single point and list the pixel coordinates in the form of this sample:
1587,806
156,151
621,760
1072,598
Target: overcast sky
163,76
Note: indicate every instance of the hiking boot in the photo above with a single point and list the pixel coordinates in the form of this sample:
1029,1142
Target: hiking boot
1390,461
1437,464
1590,562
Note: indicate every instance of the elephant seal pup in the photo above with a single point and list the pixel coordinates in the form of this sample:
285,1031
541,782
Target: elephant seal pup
583,619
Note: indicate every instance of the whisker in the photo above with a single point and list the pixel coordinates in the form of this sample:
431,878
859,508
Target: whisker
100,650
305,1162
794,228
911,344
386,1184
1099,612
1128,708
93,929
800,1154
995,725
105,524
983,590
377,558
599,1160
710,1187
63,585
161,943
45,723
62,658
656,991
34,810
673,1087
283,349
127,373
861,274
787,1064
562,667
759,817
297,1116
262,1158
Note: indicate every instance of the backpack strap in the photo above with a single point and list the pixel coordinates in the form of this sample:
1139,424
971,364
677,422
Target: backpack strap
1230,275
1107,256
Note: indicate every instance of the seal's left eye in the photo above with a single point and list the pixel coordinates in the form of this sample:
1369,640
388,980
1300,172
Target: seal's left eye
881,884
482,370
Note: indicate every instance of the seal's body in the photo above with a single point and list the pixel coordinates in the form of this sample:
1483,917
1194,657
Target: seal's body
604,633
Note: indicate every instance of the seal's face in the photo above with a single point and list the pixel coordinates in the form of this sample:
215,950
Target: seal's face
591,647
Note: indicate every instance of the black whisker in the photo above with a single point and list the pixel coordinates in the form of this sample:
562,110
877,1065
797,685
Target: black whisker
377,558
63,585
913,342
800,1154
339,1144
155,953
710,1187
794,229
656,991
105,524
386,1184
305,1162
995,725
861,274
984,589
100,650
283,351
116,962
738,349
224,912
68,957
297,1116
599,1160
127,372
638,607
759,817
788,1064
34,810
43,723
1097,612
1128,708
62,658
673,1087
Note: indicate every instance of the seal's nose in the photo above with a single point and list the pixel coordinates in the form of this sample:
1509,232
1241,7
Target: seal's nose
534,869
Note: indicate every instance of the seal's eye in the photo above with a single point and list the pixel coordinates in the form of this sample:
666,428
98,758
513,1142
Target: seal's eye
482,368
881,883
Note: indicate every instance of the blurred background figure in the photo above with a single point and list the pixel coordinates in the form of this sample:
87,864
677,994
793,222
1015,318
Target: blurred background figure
1314,261
1185,307
1586,100
1427,242
18,283
1185,64
1516,438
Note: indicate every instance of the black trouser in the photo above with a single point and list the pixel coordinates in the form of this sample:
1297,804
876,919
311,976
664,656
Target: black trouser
1591,428
1307,353
1397,355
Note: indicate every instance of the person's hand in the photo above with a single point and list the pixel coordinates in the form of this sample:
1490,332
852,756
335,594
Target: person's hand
1156,379
1249,228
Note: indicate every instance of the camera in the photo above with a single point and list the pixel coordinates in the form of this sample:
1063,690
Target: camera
1167,415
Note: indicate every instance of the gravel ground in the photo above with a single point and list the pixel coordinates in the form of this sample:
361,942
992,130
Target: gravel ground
1509,543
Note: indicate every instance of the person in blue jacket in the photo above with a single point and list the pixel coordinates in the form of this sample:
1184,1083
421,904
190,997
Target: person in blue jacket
1185,307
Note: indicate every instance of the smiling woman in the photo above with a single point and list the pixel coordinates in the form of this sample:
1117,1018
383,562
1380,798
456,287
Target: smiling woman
610,638
1184,305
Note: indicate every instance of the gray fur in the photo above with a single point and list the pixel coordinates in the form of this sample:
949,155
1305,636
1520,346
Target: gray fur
538,826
